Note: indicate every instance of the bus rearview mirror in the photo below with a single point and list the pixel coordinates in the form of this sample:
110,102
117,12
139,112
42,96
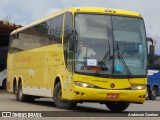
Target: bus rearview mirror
71,44
151,54
73,41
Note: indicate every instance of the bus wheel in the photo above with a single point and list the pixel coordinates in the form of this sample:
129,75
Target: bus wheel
4,84
148,93
58,99
14,87
117,106
153,94
19,93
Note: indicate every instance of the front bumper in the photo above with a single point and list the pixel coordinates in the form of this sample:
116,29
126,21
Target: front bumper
92,94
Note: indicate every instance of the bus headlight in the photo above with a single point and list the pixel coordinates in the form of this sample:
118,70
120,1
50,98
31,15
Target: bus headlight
82,84
139,87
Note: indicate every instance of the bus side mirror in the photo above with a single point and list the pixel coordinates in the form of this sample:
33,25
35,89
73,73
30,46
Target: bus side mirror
73,41
151,51
150,40
151,54
71,44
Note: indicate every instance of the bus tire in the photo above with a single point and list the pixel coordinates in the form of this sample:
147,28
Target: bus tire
153,93
117,106
4,84
14,87
148,93
19,94
58,101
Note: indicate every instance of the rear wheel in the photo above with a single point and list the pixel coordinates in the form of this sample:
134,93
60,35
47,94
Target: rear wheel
117,106
19,94
14,87
65,104
4,84
153,93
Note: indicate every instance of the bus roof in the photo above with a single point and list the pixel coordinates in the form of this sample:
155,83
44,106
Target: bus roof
82,10
105,11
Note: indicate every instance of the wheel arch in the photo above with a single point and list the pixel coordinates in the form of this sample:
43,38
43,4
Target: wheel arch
20,79
57,80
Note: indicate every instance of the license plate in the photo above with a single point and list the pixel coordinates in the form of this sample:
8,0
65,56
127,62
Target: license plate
113,96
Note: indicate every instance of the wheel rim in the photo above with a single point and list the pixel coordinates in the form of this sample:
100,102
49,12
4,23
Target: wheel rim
154,93
20,92
60,95
147,95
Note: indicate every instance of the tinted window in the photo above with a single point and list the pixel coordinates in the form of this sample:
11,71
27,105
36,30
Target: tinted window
34,37
67,34
46,33
57,29
68,26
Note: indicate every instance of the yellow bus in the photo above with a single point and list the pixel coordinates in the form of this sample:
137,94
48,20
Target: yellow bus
80,54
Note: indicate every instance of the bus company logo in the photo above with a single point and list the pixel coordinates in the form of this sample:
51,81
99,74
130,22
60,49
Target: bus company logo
21,114
6,114
112,85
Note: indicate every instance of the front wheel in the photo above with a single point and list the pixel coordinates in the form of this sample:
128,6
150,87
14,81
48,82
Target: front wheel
153,93
148,93
117,106
58,99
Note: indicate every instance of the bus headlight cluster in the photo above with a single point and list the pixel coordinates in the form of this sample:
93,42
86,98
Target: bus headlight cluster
139,87
82,84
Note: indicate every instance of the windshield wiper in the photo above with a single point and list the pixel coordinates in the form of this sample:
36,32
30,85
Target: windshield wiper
123,61
102,63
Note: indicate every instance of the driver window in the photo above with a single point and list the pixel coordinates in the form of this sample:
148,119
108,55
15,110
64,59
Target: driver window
68,56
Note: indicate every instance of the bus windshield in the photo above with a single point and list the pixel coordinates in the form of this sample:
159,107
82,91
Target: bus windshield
110,45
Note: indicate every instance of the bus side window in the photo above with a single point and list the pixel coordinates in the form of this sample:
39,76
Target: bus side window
11,43
57,29
68,56
14,43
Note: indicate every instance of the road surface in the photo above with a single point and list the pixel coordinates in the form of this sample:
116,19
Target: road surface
82,111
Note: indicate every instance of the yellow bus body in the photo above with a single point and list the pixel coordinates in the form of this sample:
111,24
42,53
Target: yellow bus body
39,68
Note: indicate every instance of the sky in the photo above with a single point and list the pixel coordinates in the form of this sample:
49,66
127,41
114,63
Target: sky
26,11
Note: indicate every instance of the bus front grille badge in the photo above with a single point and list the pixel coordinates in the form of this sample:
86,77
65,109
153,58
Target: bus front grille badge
112,85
